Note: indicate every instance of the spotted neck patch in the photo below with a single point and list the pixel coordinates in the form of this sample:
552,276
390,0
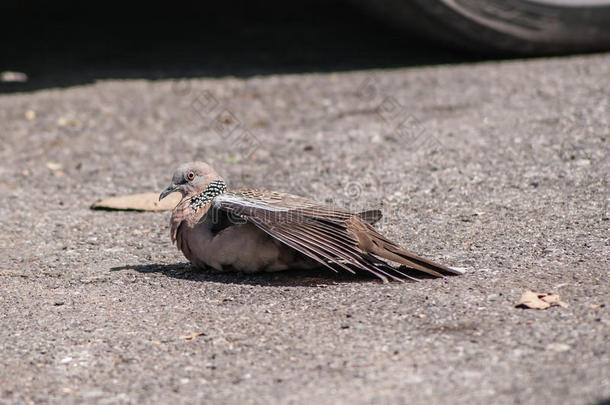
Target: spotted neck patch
215,188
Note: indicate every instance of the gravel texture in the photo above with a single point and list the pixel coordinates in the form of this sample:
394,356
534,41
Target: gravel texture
500,167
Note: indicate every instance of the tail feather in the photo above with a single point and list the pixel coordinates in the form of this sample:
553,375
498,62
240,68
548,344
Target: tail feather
370,241
410,260
370,216
419,263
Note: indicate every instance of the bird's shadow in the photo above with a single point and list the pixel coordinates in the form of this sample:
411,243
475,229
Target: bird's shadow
305,278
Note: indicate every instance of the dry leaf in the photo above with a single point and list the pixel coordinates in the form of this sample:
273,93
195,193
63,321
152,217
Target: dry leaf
53,166
30,115
538,300
65,122
139,202
192,335
553,299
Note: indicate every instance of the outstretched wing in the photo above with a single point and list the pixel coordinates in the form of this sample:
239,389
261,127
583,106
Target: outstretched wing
326,234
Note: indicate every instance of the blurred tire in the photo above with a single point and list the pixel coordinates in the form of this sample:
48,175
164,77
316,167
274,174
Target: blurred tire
503,26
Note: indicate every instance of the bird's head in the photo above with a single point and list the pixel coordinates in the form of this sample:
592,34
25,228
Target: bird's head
191,179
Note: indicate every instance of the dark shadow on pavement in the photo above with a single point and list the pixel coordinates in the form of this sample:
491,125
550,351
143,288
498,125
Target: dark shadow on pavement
69,43
291,278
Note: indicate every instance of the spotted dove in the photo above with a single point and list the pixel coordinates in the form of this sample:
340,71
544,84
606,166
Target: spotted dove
252,230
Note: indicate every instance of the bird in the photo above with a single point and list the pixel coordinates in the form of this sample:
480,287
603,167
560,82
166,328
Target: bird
254,230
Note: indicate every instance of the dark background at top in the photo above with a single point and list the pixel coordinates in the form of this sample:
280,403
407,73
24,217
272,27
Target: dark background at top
73,43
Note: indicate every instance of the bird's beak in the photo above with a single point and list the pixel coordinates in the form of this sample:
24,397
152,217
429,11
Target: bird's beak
170,189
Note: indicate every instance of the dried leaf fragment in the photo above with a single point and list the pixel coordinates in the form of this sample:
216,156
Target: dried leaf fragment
138,202
54,166
192,335
67,122
539,300
30,115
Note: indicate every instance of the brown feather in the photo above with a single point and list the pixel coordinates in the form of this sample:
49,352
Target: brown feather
321,232
371,216
371,241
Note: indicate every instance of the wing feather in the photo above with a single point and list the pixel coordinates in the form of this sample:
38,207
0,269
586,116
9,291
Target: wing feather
299,245
318,231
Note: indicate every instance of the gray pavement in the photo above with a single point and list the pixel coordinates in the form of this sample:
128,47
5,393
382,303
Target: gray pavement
501,168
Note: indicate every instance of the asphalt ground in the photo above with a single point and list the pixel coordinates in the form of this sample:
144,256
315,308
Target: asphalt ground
500,168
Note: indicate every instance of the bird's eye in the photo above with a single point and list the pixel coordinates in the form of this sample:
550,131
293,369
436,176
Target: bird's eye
190,175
